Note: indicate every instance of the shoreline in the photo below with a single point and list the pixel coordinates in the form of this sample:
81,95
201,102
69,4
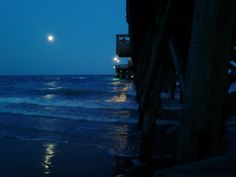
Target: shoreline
21,158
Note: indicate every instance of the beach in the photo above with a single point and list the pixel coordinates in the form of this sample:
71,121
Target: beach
67,126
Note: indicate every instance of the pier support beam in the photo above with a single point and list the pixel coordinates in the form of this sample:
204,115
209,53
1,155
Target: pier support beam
206,73
149,120
150,100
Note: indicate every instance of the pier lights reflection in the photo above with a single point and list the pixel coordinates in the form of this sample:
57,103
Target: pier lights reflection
48,158
123,136
120,137
125,89
117,82
121,97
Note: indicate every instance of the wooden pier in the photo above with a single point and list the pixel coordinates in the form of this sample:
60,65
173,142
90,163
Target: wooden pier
123,50
124,71
189,42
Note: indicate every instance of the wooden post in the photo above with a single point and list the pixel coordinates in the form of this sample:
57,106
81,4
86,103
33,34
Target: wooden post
147,50
160,40
206,73
149,120
177,61
150,102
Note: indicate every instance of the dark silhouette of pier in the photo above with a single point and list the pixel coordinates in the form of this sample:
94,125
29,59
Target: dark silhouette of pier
123,50
186,45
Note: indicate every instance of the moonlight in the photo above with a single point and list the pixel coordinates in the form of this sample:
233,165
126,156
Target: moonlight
50,38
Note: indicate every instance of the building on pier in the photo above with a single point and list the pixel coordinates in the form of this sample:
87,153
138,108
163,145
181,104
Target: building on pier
123,50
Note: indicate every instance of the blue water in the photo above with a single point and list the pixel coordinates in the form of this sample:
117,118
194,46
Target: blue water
90,98
95,111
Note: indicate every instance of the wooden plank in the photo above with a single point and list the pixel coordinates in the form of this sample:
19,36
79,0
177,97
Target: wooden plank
159,41
150,102
177,62
201,126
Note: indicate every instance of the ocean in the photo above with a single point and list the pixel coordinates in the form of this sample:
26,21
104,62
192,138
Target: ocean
67,125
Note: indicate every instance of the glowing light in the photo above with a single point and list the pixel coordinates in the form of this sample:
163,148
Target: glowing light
49,154
116,59
50,38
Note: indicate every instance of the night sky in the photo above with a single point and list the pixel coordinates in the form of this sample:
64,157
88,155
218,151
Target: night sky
84,36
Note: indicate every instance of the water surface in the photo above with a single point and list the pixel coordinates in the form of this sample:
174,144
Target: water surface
66,125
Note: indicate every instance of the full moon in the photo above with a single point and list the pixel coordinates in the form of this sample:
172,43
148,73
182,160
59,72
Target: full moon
50,38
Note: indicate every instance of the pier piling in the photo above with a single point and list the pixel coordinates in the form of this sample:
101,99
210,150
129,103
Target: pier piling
189,43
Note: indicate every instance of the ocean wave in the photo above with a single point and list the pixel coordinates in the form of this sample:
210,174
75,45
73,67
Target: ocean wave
110,150
80,93
50,100
126,152
88,118
76,113
17,137
65,92
32,139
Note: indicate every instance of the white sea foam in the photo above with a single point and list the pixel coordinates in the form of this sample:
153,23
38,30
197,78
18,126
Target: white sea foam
53,101
91,118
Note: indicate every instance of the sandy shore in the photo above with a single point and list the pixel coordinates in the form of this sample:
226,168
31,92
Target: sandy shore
21,158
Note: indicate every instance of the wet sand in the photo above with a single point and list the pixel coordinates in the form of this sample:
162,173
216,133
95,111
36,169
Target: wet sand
21,158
